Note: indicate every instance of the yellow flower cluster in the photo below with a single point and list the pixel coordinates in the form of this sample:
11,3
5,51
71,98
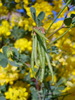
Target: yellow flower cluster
17,1
19,5
17,94
3,9
0,3
15,18
8,74
33,72
26,23
25,1
23,44
66,57
19,91
59,5
70,93
42,6
5,28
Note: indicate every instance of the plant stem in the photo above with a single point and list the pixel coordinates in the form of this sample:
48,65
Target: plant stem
32,55
56,31
35,49
61,35
58,15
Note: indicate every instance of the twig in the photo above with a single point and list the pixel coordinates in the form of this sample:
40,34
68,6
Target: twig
61,35
56,31
58,16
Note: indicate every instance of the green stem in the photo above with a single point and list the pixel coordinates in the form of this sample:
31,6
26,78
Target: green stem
58,16
35,50
61,35
32,55
55,31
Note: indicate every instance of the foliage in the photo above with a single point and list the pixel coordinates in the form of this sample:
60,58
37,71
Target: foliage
37,50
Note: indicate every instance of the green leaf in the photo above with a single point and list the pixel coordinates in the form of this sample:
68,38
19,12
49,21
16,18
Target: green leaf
5,50
3,62
53,49
56,92
3,88
15,52
61,81
41,16
2,56
20,32
8,51
72,15
24,58
39,23
68,21
33,13
2,98
61,88
1,94
34,93
14,63
73,20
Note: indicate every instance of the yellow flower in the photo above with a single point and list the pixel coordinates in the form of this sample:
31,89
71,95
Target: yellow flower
8,74
17,1
33,72
23,44
19,91
1,4
70,93
5,28
49,78
42,6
